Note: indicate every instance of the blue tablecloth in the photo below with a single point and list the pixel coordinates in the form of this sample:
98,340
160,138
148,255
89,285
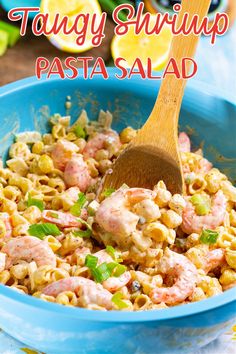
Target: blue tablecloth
217,67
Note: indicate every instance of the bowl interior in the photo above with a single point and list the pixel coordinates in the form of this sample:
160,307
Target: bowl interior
209,119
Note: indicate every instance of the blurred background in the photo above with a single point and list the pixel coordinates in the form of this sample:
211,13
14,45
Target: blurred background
17,55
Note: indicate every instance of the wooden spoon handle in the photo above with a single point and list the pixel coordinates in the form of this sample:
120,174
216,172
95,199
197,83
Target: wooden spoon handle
171,92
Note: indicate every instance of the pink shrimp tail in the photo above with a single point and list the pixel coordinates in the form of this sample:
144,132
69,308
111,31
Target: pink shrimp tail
184,142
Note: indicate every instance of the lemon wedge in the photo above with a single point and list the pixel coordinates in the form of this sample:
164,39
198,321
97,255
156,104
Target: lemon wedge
131,46
72,9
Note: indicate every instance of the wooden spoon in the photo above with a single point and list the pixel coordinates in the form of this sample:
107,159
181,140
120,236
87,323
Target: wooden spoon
153,154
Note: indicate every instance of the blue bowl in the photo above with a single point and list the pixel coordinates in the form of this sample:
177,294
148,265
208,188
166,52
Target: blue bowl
56,329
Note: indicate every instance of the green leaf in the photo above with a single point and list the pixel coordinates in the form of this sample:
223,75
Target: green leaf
36,202
107,192
77,207
117,300
209,236
80,132
44,229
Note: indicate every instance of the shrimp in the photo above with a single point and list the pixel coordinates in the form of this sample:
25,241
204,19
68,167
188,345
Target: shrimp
193,223
5,226
72,193
28,248
88,291
214,259
113,283
185,279
62,152
61,219
184,142
114,216
98,143
77,173
204,166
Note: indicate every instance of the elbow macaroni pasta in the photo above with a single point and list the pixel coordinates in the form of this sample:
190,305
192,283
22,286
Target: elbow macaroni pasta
149,237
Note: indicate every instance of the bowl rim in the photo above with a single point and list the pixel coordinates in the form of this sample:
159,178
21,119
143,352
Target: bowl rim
177,312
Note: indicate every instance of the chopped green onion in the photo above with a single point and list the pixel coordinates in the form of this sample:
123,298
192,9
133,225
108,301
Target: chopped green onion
201,204
202,209
80,132
53,215
209,236
83,233
117,300
97,275
91,261
103,271
76,208
111,266
36,202
84,223
113,253
108,192
44,229
119,270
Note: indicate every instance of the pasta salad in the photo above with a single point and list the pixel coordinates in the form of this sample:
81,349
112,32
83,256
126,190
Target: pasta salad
130,249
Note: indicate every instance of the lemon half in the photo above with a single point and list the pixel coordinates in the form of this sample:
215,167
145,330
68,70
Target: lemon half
71,9
131,46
